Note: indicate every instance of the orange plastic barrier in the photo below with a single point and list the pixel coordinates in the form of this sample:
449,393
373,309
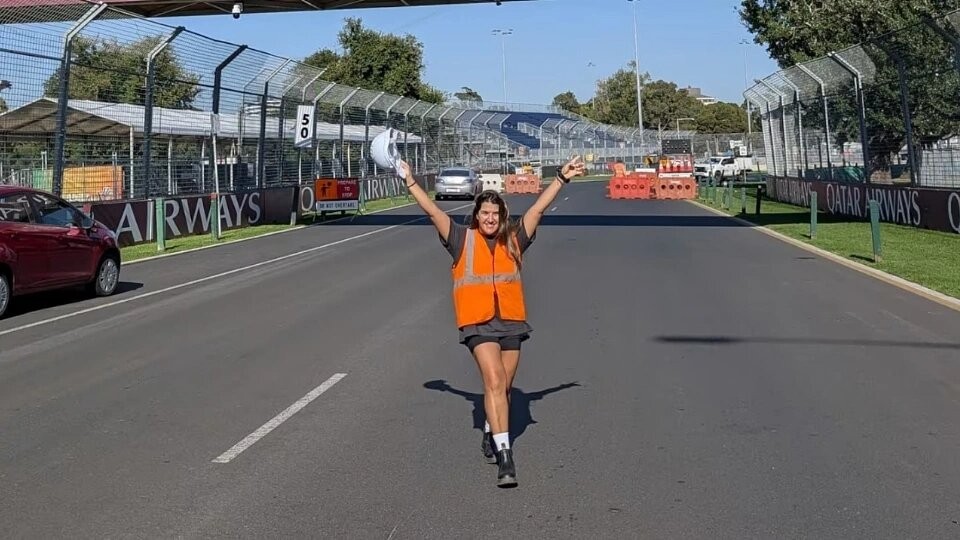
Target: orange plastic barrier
522,183
670,188
631,186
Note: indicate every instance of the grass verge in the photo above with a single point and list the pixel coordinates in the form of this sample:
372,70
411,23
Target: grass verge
186,243
928,258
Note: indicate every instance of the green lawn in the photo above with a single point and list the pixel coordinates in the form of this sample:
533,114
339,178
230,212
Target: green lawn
185,243
929,258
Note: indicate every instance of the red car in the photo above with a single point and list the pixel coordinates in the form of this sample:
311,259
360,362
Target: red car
46,243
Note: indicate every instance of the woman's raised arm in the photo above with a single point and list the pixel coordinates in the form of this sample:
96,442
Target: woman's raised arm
440,218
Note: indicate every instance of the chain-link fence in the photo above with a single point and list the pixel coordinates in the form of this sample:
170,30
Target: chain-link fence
881,112
99,104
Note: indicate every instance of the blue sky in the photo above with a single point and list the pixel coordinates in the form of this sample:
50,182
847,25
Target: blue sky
691,42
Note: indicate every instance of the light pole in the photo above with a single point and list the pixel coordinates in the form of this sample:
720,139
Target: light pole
503,51
678,124
746,86
636,66
4,85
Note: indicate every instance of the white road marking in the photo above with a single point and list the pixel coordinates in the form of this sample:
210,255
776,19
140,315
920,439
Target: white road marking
252,438
566,198
210,278
554,209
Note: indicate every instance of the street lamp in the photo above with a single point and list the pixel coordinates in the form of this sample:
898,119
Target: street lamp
746,86
4,85
636,65
678,124
503,50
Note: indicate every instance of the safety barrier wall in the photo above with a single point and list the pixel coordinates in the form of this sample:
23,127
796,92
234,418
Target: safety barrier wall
936,209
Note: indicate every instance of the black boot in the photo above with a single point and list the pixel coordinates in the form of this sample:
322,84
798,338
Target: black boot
507,473
487,446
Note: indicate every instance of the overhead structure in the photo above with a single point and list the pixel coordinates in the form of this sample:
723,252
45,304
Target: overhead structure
185,8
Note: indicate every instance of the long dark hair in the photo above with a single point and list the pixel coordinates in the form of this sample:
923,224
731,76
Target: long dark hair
507,229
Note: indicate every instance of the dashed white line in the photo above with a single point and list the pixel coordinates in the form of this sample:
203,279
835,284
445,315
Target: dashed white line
554,209
252,438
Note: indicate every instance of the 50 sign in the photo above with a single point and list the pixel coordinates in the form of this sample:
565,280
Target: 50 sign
304,136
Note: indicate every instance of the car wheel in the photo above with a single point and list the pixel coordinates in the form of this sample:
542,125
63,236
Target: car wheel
6,292
108,276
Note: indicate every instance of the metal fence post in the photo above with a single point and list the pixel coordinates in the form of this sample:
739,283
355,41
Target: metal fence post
861,109
366,131
905,111
63,95
440,137
148,111
217,85
316,146
826,113
423,135
342,121
406,130
262,142
783,125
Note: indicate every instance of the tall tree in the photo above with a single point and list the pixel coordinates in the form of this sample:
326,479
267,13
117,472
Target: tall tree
107,70
376,61
721,118
799,31
567,101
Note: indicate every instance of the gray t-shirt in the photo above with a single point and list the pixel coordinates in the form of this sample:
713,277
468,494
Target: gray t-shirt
495,327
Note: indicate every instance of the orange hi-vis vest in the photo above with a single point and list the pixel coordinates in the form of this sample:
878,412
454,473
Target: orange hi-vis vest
482,279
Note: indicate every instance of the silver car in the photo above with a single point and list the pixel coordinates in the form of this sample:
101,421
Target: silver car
457,182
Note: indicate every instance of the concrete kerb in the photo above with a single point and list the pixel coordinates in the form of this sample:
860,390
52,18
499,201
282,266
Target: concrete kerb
264,235
890,279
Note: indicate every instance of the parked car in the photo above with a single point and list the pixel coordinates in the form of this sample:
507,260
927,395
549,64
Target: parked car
46,244
458,182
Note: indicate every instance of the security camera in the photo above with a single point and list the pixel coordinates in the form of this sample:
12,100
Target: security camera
237,9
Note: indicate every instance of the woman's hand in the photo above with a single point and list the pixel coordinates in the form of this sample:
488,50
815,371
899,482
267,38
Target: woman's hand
407,174
574,167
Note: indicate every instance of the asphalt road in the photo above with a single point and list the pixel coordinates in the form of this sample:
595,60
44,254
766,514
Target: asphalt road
687,378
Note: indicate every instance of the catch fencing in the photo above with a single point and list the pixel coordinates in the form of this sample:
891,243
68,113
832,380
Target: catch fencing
100,104
885,111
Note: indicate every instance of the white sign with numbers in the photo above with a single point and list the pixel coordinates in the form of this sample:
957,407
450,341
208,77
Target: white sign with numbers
304,135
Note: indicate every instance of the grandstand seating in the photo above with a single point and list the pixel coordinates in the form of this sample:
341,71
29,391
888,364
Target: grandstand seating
510,127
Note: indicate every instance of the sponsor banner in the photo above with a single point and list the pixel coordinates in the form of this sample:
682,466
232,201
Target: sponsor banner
134,221
936,209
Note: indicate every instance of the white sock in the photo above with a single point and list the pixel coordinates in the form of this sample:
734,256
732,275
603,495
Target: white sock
486,427
501,441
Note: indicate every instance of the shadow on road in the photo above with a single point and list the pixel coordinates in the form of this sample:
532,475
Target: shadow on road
727,340
46,300
520,415
384,220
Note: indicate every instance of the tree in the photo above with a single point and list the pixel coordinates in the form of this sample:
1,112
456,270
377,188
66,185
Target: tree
567,101
468,94
664,103
721,118
795,32
107,70
376,61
